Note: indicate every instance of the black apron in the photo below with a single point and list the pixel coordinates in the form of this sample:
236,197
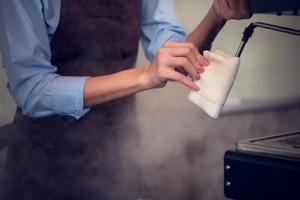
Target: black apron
60,157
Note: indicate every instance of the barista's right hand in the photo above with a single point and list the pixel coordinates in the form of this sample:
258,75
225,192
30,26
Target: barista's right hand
171,56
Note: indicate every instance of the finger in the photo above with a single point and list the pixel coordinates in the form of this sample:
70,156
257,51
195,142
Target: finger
173,75
185,64
201,71
201,59
183,52
182,71
177,62
192,54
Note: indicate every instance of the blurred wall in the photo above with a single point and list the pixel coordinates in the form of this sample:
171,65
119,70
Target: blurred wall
7,107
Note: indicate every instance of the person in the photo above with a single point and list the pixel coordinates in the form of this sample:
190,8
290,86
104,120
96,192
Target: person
69,65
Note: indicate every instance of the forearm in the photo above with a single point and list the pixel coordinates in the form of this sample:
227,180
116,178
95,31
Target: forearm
101,89
206,31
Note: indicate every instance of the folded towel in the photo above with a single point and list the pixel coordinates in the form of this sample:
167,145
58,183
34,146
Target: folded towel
215,82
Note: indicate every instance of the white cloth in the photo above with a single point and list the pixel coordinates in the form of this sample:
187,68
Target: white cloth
215,82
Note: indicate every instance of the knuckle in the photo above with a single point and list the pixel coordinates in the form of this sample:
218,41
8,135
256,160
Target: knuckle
190,50
187,51
191,45
184,61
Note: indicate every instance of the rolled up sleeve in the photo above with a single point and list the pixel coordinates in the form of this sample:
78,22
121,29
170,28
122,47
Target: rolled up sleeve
70,100
159,25
25,34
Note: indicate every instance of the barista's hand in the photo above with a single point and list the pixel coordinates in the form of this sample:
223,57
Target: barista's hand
231,9
171,56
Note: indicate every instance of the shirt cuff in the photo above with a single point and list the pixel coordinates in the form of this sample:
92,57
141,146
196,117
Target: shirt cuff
66,96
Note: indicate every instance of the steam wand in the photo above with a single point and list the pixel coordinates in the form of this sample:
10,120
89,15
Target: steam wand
250,29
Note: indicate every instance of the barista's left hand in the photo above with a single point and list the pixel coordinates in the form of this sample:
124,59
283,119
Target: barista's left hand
231,9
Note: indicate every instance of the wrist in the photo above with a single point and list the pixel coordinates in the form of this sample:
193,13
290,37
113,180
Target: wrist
143,79
215,17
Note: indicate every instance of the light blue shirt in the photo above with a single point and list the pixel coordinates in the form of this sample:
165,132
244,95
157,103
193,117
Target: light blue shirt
26,29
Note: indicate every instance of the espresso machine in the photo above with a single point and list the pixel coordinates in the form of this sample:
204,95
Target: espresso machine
265,167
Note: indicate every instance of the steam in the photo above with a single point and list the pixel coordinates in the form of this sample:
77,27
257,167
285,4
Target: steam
165,154
177,153
168,150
